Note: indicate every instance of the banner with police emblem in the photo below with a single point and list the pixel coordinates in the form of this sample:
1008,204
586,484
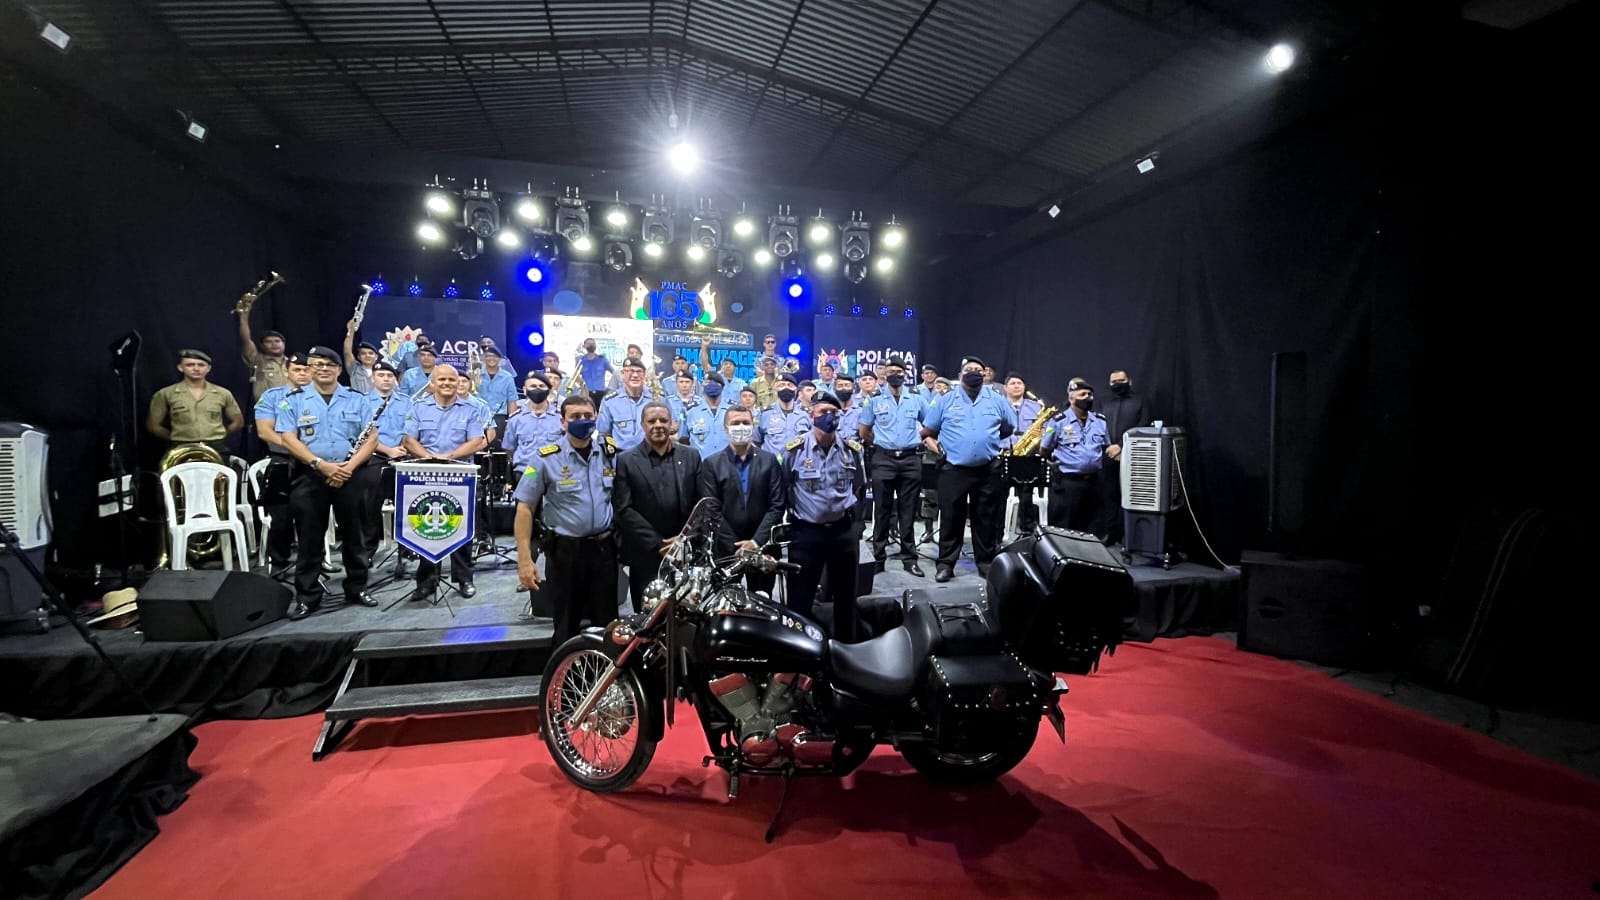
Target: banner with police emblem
435,507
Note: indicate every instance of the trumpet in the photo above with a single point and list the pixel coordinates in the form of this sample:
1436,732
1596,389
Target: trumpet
475,366
256,293
361,305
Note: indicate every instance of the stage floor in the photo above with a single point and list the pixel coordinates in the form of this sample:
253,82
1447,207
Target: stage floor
1191,769
288,668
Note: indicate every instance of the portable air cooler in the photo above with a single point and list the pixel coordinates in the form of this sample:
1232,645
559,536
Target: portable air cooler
25,509
1151,490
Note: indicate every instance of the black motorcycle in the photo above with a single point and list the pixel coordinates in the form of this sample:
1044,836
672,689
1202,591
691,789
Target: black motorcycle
958,689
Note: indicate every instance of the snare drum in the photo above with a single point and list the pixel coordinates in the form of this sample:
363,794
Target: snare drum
493,465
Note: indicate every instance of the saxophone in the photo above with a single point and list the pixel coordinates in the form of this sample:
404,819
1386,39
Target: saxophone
1028,444
576,383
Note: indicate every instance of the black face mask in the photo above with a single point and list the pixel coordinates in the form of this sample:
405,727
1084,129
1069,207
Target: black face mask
537,395
844,396
1085,404
895,380
972,379
1121,388
786,395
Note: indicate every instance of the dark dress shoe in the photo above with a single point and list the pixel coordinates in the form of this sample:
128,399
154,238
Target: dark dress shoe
467,589
943,574
421,595
328,568
913,568
362,598
299,610
983,570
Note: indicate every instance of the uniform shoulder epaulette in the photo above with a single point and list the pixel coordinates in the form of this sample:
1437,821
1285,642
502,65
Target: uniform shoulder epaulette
610,446
797,442
853,444
297,390
549,449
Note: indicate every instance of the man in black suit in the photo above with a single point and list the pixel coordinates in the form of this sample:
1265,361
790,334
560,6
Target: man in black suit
657,484
747,486
1125,409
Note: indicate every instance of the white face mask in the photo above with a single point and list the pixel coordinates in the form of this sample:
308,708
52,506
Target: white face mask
741,434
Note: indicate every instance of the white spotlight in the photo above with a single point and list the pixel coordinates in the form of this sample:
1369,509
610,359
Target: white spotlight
527,210
430,233
1279,59
617,216
744,227
762,256
583,244
508,239
893,237
884,264
696,252
1146,165
439,204
819,232
652,249
1054,210
823,261
196,131
684,157
55,37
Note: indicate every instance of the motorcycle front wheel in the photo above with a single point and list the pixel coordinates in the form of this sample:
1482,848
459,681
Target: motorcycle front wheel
974,767
608,750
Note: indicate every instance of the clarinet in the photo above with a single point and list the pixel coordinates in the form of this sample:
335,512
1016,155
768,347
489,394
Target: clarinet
371,427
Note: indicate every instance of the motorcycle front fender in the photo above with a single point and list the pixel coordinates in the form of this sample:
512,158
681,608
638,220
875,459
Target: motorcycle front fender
652,719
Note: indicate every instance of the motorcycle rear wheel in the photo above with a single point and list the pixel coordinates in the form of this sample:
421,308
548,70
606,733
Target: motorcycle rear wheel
970,768
608,751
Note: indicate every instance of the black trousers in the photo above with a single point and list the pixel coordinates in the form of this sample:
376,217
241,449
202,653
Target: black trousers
277,486
968,491
372,478
460,569
1110,517
311,498
581,576
896,483
1074,500
831,548
642,569
1027,503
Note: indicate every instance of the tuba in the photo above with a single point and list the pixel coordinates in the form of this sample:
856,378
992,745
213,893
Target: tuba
205,547
256,293
575,383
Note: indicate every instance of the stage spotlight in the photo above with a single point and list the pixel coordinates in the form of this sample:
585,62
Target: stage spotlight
430,233
486,292
481,211
379,286
652,250
730,263
618,255
1147,164
439,203
451,291
583,244
829,310
468,245
823,262
706,227
795,290
883,310
527,209
856,240
617,217
1054,210
791,267
783,233
658,221
1279,59
794,348
414,288
737,307
855,310
533,273
884,265
855,272
194,129
55,37
908,312
543,248
820,230
893,234
744,226
684,157
696,253
508,239
762,257
572,217
535,339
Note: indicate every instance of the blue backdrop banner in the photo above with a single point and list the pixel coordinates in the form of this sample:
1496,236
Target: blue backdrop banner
393,322
856,344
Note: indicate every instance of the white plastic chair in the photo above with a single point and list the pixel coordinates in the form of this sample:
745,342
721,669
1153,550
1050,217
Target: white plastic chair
241,500
258,471
200,513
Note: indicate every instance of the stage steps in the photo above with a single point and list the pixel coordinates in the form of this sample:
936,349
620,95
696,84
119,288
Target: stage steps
352,704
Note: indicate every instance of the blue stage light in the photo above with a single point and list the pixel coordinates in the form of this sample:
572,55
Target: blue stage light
737,307
797,290
378,286
533,273
828,310
486,292
909,313
451,290
883,310
855,310
794,348
414,289
535,338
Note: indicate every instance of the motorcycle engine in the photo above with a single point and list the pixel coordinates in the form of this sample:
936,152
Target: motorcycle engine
773,719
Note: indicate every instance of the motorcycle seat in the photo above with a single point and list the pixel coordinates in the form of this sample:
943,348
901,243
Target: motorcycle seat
883,668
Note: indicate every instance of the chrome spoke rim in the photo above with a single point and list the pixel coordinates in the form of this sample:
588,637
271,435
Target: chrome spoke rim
601,745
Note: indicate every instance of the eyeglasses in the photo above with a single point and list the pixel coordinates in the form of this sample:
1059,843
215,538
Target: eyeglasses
324,364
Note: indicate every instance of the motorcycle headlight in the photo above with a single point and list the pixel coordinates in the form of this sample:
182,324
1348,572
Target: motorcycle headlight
654,593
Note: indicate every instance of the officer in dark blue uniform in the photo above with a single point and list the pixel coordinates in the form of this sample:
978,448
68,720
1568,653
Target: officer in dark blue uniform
967,426
573,478
1076,440
824,480
324,427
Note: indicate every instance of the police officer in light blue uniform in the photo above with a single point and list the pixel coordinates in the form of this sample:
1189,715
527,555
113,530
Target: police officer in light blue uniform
496,386
891,424
967,425
573,478
389,406
1076,440
702,425
620,412
324,427
676,401
1024,409
276,481
536,424
824,481
783,421
444,426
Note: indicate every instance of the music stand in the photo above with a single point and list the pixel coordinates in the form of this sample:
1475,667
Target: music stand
124,358
491,495
440,484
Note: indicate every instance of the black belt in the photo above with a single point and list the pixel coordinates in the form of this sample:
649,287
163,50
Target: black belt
593,538
898,454
1076,476
842,520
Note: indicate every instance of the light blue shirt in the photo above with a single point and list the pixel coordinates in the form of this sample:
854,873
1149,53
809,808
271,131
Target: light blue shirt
328,426
392,424
442,429
272,401
527,431
497,390
576,492
703,427
1022,415
968,429
822,484
895,423
1077,447
594,372
620,418
732,388
774,427
678,405
850,419
413,380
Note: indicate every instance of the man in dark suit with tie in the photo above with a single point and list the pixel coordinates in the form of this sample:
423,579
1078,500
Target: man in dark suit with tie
747,485
656,487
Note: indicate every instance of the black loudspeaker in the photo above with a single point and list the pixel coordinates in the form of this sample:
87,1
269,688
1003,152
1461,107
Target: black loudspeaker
1286,451
1320,610
195,605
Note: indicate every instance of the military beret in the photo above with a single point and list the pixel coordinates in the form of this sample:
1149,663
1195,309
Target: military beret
195,354
327,353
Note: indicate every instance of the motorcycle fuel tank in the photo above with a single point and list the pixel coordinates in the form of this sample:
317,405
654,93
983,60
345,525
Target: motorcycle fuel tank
761,637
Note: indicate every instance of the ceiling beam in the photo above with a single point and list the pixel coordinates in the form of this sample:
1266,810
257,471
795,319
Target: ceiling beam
344,75
772,70
467,76
561,76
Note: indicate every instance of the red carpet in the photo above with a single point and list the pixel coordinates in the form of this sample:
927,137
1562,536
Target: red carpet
1191,770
